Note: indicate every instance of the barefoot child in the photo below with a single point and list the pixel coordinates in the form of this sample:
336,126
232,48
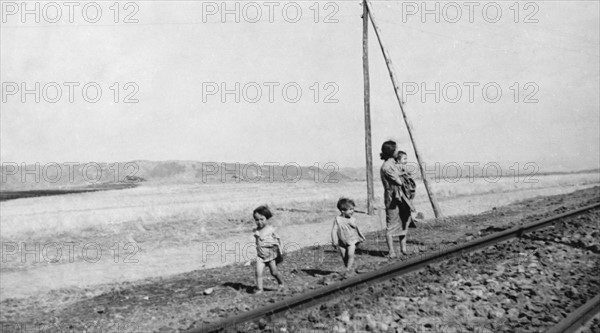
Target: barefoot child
345,234
268,247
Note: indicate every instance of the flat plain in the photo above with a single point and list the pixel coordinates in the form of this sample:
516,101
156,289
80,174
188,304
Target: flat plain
160,230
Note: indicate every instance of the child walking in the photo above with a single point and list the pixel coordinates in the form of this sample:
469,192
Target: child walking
345,234
268,247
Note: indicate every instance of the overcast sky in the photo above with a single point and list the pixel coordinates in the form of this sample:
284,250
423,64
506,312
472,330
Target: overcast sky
180,52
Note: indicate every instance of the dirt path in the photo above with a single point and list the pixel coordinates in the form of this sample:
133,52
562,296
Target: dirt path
164,262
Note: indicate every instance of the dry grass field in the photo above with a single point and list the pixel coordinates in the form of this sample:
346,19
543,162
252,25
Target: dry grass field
151,204
165,226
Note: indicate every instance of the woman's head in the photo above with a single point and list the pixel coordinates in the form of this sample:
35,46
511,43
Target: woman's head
388,150
261,214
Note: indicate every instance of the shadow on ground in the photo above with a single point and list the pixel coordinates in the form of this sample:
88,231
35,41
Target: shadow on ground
239,286
317,272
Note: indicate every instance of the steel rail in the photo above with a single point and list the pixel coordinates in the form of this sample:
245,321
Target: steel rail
328,292
578,318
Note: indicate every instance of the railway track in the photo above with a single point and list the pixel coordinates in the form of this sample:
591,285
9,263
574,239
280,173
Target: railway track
332,291
579,317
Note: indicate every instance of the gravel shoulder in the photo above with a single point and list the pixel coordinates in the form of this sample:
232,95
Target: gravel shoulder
524,285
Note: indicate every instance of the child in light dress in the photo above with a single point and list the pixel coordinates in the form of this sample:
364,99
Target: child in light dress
268,247
345,234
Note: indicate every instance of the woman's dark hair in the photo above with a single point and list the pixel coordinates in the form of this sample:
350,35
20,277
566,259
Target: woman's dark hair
345,204
387,150
264,211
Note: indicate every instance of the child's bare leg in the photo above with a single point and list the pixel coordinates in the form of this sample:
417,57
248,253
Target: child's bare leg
350,256
260,266
343,254
275,272
390,243
403,244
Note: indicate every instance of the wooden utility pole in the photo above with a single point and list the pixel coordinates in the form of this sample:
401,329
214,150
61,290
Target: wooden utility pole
370,193
388,61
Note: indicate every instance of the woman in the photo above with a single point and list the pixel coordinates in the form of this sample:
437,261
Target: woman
397,210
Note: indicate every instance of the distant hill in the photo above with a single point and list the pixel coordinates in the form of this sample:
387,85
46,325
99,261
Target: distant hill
77,176
454,171
98,176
